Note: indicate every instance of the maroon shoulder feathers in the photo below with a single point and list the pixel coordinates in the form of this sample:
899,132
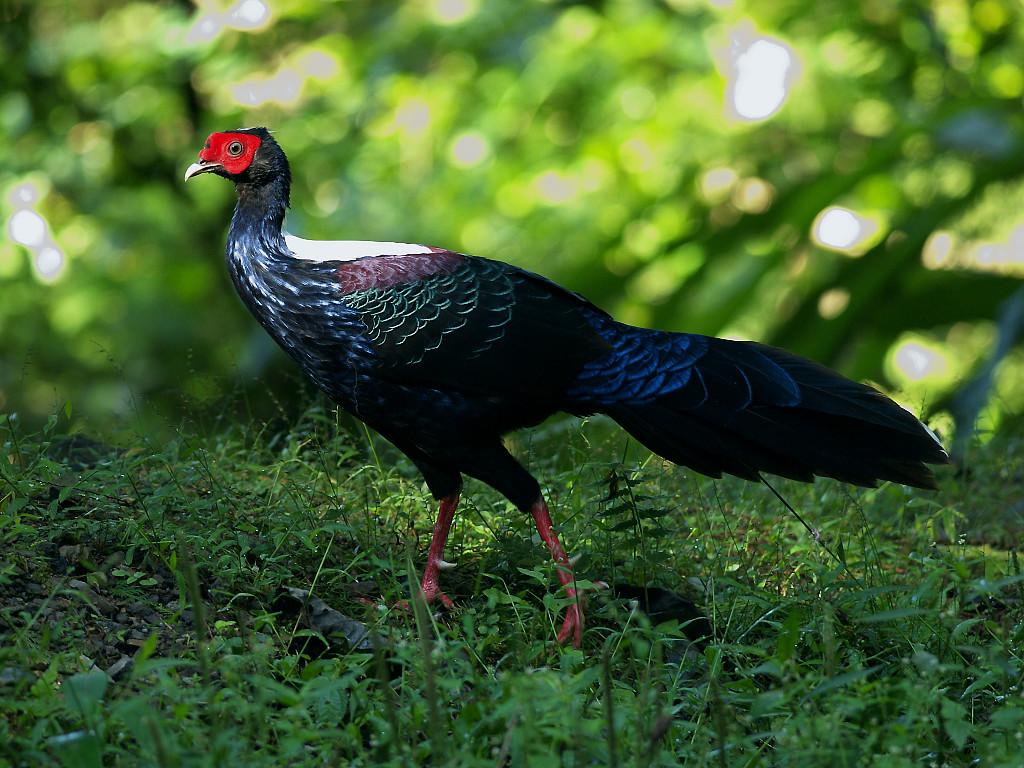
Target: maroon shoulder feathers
386,271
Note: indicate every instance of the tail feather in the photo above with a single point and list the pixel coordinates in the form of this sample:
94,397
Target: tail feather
744,408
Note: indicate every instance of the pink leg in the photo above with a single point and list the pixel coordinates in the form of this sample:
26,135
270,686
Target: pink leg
430,586
573,624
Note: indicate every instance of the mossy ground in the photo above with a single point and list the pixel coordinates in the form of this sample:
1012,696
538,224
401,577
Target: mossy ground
141,620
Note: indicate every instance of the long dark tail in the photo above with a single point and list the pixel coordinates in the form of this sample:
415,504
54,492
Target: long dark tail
743,408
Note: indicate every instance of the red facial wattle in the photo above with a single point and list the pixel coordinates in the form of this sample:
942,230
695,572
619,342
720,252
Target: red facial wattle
232,151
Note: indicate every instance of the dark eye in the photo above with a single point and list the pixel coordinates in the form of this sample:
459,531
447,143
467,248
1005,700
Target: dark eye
235,148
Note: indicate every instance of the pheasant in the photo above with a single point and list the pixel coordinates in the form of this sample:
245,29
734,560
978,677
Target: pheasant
443,353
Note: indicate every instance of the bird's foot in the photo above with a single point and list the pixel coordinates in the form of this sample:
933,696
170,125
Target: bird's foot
436,594
572,626
430,591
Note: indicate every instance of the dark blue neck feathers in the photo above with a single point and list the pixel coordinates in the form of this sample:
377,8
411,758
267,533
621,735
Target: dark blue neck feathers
259,213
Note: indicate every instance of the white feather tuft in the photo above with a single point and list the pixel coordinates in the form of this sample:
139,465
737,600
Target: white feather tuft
347,250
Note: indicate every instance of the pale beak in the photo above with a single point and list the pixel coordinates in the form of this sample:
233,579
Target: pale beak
201,167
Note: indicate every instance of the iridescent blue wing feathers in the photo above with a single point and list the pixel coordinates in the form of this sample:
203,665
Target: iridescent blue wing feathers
743,408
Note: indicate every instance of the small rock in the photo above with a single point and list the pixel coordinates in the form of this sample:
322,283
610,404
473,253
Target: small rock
321,617
120,668
103,605
100,603
73,553
11,675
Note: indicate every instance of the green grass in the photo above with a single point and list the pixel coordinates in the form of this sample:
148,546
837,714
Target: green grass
891,635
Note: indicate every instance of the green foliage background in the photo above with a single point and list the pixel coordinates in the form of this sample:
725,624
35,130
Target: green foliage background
588,141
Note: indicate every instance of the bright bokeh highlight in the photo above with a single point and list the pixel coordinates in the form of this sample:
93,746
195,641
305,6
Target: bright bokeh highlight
249,14
761,70
469,149
412,116
1003,256
717,183
833,302
554,187
753,195
282,88
28,228
49,262
452,11
943,250
244,15
918,361
938,249
843,230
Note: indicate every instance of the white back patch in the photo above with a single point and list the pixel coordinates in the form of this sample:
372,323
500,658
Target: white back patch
347,250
